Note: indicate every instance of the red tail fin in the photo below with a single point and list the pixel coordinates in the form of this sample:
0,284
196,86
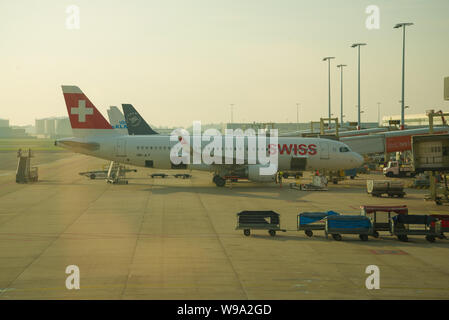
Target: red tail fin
82,113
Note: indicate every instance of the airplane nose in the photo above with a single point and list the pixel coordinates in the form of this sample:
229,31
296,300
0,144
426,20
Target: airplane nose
359,159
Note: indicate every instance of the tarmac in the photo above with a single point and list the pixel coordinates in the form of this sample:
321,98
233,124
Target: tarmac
176,239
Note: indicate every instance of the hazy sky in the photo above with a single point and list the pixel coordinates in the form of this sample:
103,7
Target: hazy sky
182,60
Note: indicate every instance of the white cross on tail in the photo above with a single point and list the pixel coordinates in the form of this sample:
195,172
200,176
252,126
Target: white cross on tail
82,111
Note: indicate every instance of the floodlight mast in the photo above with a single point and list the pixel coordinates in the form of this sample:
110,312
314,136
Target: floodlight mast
358,45
328,59
397,26
341,66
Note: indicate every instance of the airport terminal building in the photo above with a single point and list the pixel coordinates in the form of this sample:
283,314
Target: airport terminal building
413,120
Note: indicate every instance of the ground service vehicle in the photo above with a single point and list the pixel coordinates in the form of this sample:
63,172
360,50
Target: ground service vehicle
395,169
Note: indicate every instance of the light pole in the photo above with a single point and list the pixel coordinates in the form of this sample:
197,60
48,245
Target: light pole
232,115
341,66
328,59
359,112
403,25
358,45
378,113
297,116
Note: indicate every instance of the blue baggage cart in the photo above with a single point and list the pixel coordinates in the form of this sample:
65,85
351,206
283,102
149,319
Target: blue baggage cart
308,221
337,225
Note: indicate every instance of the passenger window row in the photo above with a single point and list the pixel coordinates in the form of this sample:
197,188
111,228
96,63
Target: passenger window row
151,148
165,147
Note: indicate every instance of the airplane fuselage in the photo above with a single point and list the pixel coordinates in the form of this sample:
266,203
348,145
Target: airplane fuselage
154,151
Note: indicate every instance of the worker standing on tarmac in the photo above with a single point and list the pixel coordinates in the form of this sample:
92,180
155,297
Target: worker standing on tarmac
280,178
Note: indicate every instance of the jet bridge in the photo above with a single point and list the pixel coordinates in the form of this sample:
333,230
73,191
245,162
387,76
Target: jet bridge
366,144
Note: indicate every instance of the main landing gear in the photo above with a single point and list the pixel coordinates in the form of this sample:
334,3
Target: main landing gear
219,181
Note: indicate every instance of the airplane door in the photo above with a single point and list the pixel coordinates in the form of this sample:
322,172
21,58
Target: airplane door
120,148
324,150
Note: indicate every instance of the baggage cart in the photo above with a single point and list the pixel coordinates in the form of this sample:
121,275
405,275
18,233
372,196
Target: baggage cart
259,220
404,225
380,216
182,175
444,218
162,175
309,221
336,225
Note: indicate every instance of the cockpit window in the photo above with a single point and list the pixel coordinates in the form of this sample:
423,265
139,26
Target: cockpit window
344,149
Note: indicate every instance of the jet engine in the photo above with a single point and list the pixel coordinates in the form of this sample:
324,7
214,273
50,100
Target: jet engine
254,174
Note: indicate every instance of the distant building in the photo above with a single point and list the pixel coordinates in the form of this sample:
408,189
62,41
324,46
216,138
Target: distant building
7,132
13,133
4,123
53,127
40,126
50,127
413,120
29,129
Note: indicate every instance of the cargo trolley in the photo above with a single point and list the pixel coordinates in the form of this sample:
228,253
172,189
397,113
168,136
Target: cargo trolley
404,225
311,221
258,220
336,225
380,216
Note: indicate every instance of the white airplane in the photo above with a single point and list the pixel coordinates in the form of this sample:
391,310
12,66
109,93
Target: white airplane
94,136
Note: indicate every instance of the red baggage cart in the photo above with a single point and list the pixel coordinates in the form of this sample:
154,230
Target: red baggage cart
382,223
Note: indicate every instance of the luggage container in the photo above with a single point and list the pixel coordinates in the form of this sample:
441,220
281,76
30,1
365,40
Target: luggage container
391,188
337,225
258,220
308,221
404,225
380,216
